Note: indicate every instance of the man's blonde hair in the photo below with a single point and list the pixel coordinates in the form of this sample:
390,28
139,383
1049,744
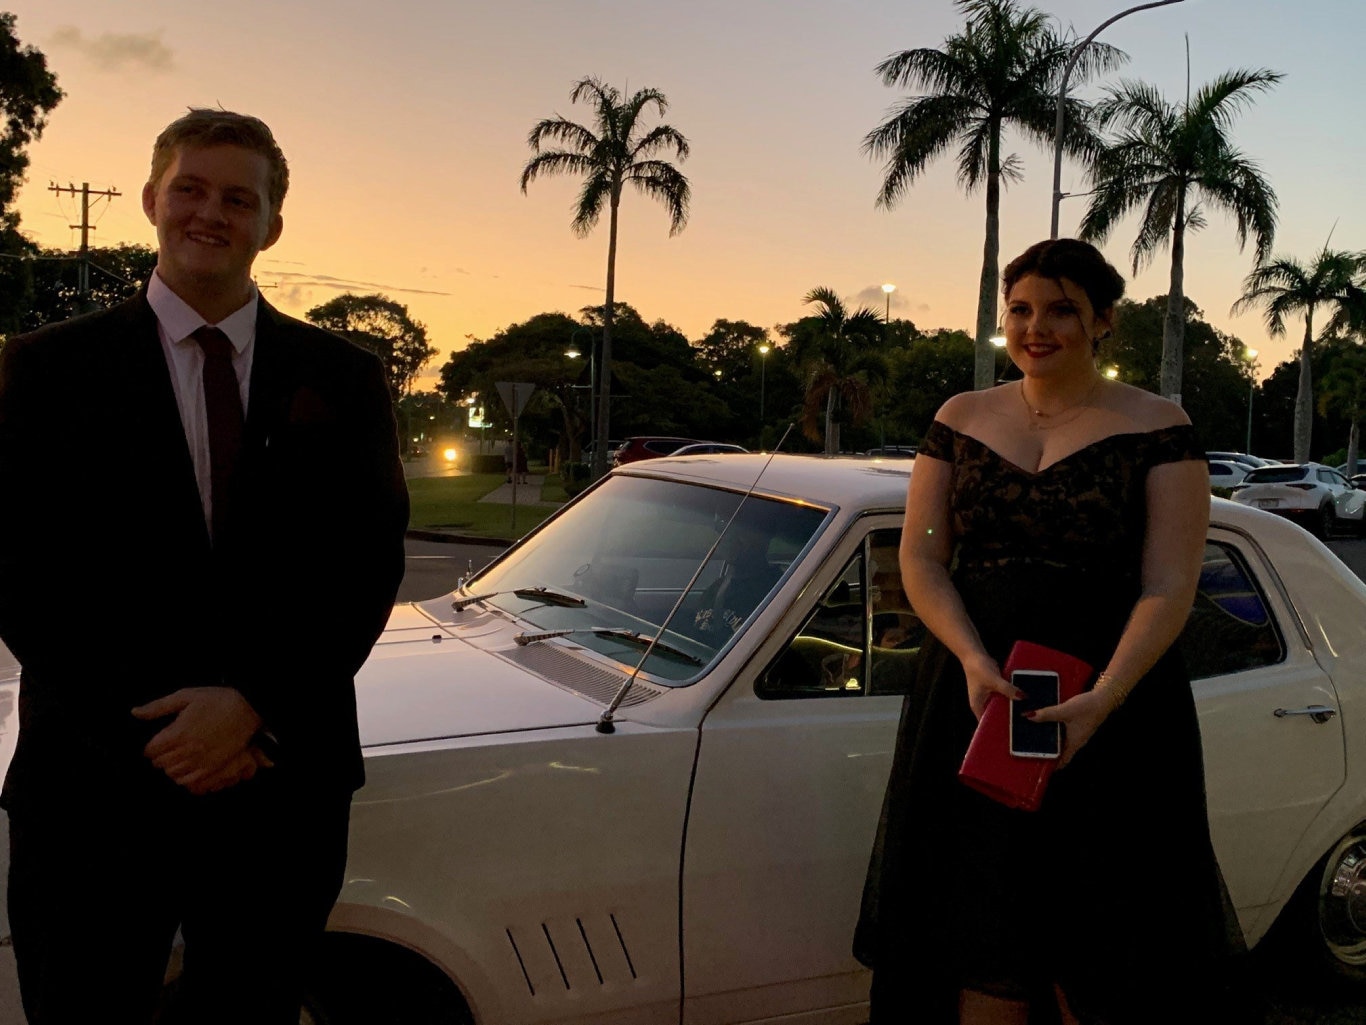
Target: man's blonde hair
203,126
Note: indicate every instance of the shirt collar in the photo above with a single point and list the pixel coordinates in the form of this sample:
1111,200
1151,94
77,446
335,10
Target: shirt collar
179,320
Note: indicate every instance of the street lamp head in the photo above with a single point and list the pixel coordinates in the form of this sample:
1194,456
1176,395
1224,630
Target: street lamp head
1112,372
998,340
764,349
889,289
1250,352
573,353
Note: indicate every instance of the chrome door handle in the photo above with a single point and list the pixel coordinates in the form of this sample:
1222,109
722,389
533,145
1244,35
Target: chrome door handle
1319,713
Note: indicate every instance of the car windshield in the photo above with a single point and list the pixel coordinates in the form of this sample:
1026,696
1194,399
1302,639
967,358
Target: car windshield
1276,475
630,550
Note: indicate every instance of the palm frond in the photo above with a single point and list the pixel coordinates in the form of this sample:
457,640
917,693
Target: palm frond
563,131
831,305
597,189
1156,223
1219,101
922,129
603,95
664,182
1237,185
555,162
934,71
659,138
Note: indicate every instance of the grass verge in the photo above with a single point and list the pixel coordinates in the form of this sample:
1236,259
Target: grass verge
452,503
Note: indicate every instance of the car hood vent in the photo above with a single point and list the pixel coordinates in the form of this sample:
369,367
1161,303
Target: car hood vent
561,666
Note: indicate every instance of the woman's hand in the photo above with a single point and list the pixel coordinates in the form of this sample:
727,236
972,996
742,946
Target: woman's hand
984,679
1080,716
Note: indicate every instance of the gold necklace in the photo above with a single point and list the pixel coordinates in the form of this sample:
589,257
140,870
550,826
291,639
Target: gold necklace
1041,421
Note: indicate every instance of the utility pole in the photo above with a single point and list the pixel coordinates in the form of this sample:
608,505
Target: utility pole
85,192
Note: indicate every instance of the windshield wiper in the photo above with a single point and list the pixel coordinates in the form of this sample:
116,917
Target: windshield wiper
541,594
616,633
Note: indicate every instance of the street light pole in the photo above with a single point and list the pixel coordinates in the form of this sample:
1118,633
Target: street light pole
763,369
887,318
1072,59
1252,390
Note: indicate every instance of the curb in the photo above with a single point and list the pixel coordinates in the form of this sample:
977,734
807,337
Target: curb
447,537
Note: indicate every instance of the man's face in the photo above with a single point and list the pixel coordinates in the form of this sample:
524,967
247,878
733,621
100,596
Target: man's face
212,213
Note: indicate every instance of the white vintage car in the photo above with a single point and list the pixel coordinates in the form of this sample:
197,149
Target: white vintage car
572,816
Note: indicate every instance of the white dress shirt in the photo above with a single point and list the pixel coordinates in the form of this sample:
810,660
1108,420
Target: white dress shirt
176,323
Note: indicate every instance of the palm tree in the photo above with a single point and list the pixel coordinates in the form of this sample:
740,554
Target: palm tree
1168,159
615,152
1286,286
1344,390
841,371
1001,71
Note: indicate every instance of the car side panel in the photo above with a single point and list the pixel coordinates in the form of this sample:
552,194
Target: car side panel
785,806
1267,777
549,860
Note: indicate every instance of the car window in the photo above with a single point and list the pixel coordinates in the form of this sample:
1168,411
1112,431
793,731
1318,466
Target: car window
1217,470
1230,628
629,560
1276,475
862,638
664,448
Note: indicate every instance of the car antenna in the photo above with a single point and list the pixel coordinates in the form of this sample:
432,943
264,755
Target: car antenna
605,721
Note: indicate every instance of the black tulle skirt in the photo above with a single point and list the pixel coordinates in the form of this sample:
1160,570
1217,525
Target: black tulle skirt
1110,891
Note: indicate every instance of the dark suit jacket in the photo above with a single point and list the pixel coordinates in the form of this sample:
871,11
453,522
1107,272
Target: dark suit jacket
111,593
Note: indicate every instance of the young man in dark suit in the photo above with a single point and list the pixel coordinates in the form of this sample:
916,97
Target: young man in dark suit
201,536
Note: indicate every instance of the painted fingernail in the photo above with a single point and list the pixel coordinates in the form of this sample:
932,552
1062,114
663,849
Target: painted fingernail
1029,715
1018,695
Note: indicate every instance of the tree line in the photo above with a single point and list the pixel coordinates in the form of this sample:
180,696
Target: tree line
741,382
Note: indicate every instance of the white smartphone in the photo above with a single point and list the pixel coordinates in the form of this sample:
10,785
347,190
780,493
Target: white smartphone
1034,739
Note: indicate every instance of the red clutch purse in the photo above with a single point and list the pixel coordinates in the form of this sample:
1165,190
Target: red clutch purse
989,767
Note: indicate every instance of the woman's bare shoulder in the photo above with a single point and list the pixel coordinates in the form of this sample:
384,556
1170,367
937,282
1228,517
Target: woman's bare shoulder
1147,411
967,408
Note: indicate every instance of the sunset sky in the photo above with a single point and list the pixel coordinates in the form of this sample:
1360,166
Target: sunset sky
405,126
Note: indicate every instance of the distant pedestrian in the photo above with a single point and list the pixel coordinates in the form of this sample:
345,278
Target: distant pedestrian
201,740
521,464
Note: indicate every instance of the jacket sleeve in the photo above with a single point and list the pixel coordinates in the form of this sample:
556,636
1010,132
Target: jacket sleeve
23,493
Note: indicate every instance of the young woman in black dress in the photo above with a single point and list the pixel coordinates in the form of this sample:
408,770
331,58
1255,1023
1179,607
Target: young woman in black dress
1070,510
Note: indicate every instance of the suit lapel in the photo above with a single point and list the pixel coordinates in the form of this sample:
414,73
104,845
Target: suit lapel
271,372
150,398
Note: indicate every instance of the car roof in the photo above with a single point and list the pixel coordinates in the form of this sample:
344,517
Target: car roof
851,482
844,481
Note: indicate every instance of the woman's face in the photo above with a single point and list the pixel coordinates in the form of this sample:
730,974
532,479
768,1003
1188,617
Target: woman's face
1049,327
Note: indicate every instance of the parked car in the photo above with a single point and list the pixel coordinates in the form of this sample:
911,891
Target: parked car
1224,473
633,449
565,822
1315,496
893,452
1242,458
707,448
1359,481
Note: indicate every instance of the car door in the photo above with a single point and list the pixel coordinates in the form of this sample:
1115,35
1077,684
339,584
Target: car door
791,768
1267,775
1347,500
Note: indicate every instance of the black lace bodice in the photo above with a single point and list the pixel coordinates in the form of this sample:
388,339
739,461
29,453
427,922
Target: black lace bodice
1086,512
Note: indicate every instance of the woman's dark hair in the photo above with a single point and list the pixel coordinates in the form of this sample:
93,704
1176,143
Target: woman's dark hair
1069,258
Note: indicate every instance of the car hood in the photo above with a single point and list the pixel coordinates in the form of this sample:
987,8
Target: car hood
422,682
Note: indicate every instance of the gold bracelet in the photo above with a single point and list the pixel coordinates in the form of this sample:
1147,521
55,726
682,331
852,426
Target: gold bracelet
1112,689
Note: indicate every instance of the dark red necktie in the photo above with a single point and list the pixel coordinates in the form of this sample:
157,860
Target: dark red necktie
223,409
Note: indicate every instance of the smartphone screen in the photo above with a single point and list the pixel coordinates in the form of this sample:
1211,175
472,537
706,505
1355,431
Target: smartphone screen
1034,739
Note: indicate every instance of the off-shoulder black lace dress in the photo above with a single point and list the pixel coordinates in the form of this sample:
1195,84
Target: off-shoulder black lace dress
1111,889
